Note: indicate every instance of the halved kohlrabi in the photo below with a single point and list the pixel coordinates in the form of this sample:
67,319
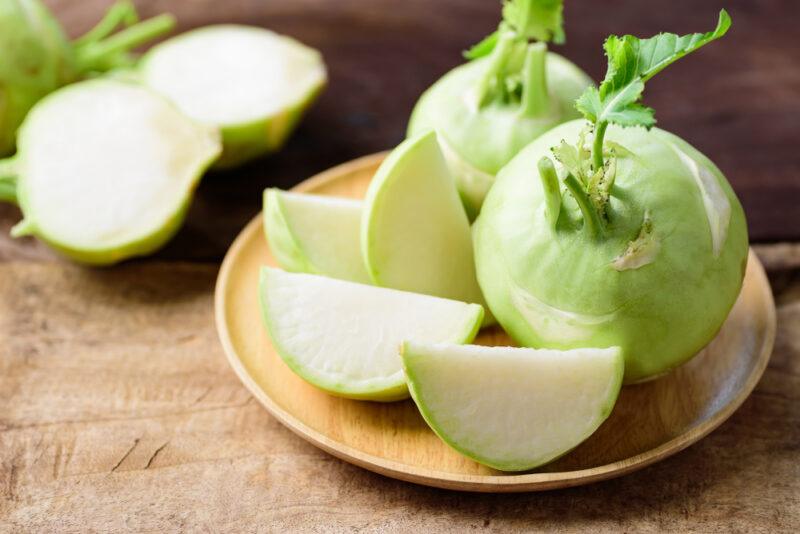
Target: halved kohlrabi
631,238
415,235
510,92
37,58
105,170
250,82
315,234
510,408
345,337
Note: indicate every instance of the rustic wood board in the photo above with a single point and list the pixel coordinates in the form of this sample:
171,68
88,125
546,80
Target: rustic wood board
650,421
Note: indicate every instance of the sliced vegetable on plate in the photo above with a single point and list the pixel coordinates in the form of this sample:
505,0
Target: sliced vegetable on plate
345,337
512,409
315,234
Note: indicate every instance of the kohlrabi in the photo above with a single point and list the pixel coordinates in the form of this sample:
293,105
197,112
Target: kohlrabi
37,58
251,83
510,92
105,170
632,238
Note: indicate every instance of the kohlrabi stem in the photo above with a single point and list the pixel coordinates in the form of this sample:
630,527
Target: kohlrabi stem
597,147
535,96
8,180
105,54
494,70
591,219
121,13
552,191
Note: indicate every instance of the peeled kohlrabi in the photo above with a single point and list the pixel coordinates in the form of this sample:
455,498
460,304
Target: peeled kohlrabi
105,170
250,82
648,248
510,93
37,58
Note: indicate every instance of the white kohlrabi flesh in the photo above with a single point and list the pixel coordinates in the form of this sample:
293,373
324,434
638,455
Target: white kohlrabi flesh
250,82
345,337
105,170
512,408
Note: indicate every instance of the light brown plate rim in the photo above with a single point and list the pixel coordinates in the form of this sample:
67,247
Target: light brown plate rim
440,479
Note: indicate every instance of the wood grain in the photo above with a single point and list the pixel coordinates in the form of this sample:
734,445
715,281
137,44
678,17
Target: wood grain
650,421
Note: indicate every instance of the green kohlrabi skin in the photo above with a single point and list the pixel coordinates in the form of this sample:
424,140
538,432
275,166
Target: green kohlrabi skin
37,58
658,281
485,139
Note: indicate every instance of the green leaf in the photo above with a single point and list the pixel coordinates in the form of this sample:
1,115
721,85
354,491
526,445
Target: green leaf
541,20
633,61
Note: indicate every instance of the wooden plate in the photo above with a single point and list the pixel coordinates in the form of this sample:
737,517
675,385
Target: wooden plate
650,422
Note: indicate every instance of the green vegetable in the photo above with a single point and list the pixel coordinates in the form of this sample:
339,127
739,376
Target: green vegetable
37,58
511,92
512,408
649,243
105,170
345,337
251,83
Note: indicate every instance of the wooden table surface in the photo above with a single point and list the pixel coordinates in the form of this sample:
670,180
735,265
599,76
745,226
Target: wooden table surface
118,410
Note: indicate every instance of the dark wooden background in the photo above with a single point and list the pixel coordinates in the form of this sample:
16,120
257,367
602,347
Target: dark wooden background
738,100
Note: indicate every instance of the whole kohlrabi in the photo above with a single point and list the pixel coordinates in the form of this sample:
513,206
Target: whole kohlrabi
632,238
511,92
37,58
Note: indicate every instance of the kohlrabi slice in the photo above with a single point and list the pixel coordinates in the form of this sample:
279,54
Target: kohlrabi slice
315,234
632,238
250,82
510,93
105,170
510,408
415,235
37,58
345,337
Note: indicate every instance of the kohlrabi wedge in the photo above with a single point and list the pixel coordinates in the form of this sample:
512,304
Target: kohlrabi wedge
511,92
415,235
37,58
315,234
630,238
345,337
250,82
105,170
510,408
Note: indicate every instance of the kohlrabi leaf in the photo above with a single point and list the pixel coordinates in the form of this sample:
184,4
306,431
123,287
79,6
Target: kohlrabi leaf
633,61
540,20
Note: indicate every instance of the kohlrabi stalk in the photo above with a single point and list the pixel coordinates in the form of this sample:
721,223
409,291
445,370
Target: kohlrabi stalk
38,58
631,62
511,91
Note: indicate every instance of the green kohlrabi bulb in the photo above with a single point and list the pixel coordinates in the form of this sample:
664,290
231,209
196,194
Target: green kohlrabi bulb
512,91
37,58
658,281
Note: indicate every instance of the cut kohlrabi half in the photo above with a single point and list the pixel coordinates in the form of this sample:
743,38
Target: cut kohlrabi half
512,409
250,82
415,235
315,234
105,170
345,337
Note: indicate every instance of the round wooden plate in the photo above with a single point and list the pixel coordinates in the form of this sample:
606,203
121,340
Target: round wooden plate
650,422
